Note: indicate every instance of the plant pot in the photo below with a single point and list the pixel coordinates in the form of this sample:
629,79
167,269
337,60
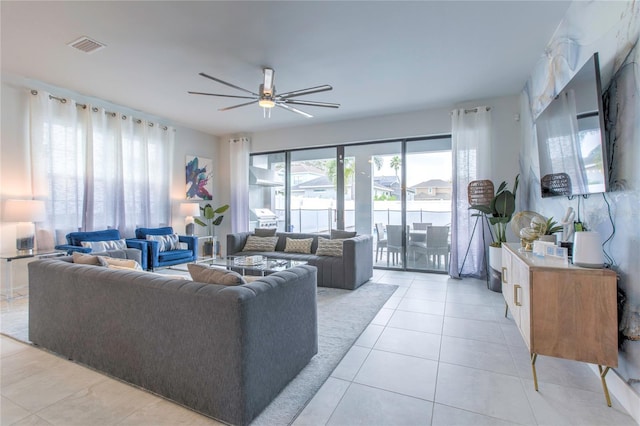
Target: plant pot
495,269
550,238
207,248
495,258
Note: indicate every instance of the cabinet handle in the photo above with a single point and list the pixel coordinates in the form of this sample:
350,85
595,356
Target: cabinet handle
504,274
516,287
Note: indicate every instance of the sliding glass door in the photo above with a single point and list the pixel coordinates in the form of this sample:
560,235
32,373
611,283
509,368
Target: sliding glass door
397,191
313,193
428,210
377,198
267,201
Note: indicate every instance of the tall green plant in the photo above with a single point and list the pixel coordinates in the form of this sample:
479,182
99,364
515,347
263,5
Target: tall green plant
212,217
500,211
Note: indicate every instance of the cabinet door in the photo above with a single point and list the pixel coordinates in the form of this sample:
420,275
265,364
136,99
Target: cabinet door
522,289
507,279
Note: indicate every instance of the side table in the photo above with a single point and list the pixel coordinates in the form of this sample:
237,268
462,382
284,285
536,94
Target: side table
9,258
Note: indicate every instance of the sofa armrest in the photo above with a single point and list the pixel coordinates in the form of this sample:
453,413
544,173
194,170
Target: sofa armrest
236,242
144,251
357,253
70,248
150,251
192,243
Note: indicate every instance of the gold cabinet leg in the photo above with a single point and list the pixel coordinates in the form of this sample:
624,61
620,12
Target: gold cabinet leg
533,369
604,383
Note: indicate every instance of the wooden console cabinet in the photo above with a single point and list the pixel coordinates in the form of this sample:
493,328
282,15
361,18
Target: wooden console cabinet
562,311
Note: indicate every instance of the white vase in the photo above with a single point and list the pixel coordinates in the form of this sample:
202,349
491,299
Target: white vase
495,258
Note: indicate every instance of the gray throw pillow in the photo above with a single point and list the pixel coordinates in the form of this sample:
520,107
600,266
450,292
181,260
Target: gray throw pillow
337,234
205,274
265,232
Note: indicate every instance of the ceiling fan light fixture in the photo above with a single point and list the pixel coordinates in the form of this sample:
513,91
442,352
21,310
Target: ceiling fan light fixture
267,103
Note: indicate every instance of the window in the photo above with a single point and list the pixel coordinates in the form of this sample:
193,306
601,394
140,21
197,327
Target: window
98,169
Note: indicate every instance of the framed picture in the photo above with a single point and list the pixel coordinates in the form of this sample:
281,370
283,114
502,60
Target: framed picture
199,174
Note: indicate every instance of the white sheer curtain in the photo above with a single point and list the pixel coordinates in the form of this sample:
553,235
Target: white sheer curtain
471,152
239,149
98,169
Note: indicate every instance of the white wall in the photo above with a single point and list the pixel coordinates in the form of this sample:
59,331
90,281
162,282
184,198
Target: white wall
612,29
430,122
504,149
14,148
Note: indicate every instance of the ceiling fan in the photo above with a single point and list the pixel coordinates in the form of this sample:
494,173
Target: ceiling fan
267,97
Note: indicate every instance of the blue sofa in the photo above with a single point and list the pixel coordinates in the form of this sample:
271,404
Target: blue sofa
75,240
159,259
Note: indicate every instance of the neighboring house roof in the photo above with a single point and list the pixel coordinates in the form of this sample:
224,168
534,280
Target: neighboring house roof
389,181
317,183
433,183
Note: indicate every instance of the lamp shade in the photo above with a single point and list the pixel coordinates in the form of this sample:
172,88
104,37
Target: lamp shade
189,209
24,211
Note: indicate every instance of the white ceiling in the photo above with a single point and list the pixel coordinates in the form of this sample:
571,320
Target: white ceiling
381,57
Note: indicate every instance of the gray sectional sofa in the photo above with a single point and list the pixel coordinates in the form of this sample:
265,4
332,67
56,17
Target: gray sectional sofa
350,271
225,351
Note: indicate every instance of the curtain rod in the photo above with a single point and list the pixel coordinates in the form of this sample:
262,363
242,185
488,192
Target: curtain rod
95,109
466,111
476,109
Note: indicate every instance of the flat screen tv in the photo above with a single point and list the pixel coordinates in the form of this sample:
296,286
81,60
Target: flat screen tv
571,139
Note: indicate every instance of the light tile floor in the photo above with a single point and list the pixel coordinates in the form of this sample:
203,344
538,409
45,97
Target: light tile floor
440,352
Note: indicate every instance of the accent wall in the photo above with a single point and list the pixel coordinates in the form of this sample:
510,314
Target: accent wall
611,29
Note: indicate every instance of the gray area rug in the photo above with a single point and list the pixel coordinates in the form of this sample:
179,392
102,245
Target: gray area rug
342,317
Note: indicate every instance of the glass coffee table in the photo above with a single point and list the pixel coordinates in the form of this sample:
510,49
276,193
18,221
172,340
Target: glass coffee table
262,265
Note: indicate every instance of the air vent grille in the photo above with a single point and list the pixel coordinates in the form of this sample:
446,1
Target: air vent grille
86,45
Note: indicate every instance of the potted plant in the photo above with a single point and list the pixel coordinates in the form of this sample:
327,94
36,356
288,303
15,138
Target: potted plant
212,217
551,228
499,213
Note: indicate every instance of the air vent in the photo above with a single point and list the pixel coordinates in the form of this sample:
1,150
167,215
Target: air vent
86,45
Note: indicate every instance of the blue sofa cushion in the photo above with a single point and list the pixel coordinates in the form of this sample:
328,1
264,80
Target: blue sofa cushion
166,256
142,233
76,238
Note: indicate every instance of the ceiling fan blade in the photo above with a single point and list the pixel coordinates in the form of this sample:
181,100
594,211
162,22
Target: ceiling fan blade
227,84
303,92
311,103
224,96
292,109
238,106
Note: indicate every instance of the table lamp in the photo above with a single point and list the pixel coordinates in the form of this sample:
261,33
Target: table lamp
25,213
189,210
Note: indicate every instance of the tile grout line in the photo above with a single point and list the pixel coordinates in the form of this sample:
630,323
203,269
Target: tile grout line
435,387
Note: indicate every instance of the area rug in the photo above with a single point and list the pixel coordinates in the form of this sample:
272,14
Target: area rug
342,317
